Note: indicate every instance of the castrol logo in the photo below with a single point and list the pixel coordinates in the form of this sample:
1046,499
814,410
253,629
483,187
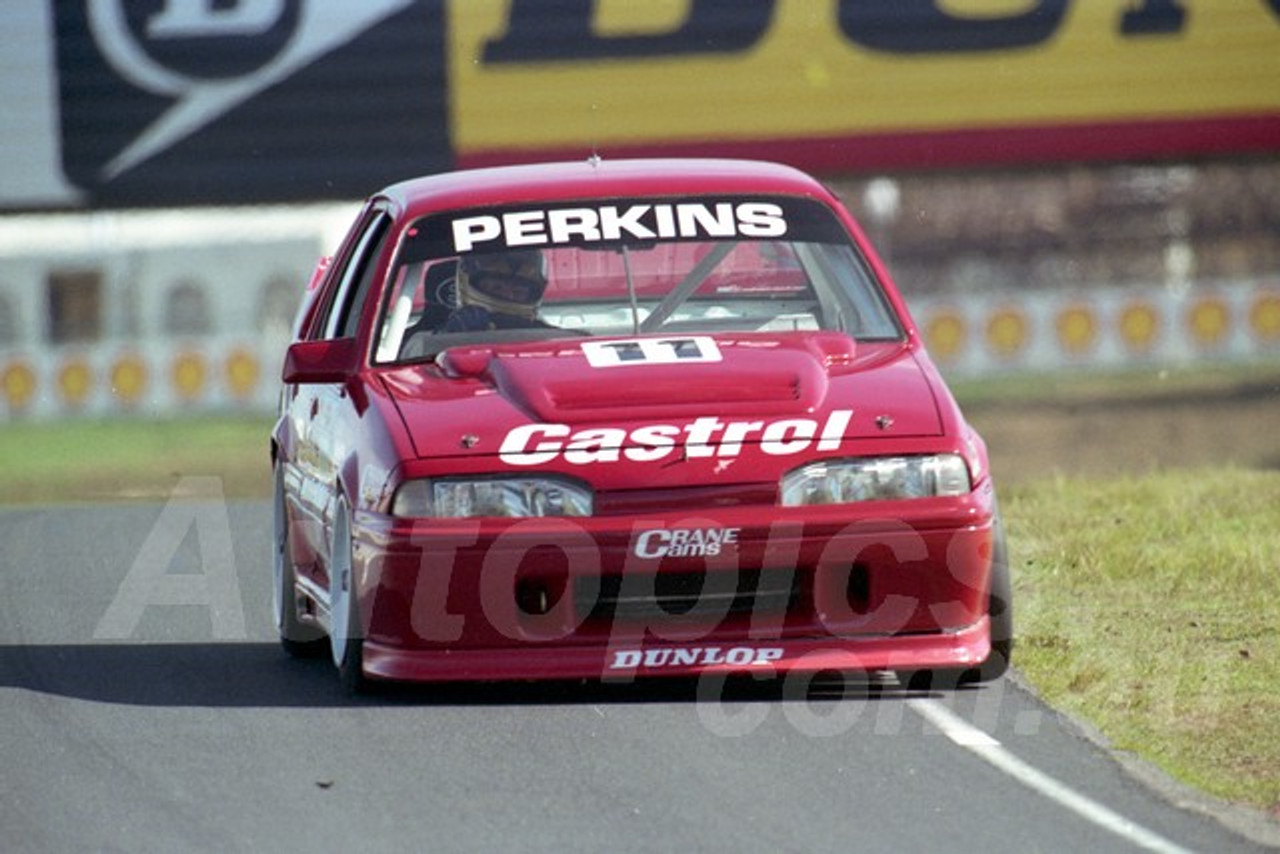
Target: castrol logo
709,436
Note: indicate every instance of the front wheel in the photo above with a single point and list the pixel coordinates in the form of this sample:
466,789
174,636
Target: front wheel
1000,612
346,636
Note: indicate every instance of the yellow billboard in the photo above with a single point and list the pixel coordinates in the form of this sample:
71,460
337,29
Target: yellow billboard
864,82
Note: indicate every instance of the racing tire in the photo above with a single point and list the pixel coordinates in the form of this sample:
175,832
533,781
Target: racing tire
298,639
1000,614
346,633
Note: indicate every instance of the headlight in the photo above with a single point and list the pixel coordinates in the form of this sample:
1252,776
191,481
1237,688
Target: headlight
507,497
875,478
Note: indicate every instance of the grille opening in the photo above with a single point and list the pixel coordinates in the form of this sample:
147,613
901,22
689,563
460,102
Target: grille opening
858,589
534,597
687,595
541,581
679,593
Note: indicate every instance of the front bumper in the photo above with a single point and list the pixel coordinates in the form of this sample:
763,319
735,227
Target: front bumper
966,648
801,590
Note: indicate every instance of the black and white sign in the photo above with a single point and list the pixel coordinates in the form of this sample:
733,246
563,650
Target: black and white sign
197,101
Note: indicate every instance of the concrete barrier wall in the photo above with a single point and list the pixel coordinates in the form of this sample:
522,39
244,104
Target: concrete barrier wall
151,314
1107,328
219,374
985,335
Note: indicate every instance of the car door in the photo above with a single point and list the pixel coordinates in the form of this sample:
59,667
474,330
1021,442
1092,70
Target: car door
320,414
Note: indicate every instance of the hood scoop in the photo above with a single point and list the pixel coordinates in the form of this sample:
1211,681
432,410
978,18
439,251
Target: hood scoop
674,375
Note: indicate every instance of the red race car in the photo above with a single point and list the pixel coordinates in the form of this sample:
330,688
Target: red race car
611,420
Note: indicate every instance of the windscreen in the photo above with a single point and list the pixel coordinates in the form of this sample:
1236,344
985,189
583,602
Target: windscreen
627,267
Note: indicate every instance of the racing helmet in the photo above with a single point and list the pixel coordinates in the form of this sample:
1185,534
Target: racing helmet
509,282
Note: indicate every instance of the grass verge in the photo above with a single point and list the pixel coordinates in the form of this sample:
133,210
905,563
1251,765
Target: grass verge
74,461
1138,384
1150,606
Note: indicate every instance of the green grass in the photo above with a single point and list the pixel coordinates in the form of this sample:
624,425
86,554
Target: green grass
120,459
1157,381
1150,606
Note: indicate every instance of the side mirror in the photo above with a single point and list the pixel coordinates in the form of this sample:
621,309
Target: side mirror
331,361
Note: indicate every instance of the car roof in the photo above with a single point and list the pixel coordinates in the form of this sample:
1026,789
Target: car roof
599,178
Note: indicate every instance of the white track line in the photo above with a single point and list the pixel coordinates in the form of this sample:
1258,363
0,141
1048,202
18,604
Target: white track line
979,743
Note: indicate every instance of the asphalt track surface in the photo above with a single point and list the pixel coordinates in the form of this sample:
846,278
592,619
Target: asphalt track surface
133,722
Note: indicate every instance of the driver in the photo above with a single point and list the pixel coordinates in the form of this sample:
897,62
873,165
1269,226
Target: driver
499,290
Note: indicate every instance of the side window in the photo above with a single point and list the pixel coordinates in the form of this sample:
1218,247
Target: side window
342,313
349,317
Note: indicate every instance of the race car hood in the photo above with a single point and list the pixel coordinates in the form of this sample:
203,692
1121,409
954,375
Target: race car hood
473,396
